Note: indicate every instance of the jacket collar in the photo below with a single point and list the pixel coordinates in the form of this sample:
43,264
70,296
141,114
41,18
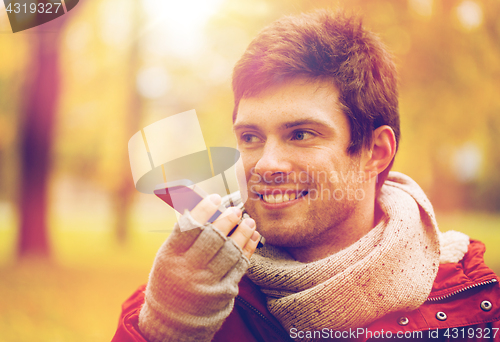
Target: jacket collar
470,272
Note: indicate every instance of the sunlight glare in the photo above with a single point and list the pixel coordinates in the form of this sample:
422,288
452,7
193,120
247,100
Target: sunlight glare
153,82
181,22
467,162
470,14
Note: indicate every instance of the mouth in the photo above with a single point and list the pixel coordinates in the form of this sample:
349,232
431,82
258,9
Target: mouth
281,196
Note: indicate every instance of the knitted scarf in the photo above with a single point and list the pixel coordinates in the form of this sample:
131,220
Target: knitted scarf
392,268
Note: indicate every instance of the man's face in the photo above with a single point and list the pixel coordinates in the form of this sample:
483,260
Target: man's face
302,185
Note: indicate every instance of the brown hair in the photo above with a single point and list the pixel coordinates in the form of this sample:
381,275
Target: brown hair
329,46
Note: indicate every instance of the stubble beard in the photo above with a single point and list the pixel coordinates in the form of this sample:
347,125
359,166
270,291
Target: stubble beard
324,218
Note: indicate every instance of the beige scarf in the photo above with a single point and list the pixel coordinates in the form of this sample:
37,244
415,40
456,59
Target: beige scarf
392,268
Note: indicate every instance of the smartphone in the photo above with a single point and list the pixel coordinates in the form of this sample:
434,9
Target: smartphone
183,194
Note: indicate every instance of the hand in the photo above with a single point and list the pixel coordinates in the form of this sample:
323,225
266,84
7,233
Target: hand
245,235
195,274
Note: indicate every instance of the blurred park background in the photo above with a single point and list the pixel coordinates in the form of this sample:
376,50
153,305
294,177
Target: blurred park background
76,238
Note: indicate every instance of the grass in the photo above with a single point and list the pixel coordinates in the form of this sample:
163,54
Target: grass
479,226
43,302
77,296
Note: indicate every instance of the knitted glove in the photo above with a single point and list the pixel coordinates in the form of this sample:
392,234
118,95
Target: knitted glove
192,284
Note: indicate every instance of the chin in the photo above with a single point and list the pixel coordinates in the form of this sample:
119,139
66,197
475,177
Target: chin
286,233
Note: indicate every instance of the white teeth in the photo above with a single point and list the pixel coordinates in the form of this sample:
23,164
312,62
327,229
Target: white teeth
269,199
279,198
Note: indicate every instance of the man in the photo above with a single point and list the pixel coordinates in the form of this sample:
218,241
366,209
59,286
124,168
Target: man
353,251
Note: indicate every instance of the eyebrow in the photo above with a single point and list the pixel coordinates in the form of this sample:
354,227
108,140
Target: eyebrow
286,125
303,122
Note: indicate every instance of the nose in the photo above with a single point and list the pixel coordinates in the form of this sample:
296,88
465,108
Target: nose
274,161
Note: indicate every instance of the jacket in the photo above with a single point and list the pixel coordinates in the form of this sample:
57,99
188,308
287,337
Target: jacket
464,304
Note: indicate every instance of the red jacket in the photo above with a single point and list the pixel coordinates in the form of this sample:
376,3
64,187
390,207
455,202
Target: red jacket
464,304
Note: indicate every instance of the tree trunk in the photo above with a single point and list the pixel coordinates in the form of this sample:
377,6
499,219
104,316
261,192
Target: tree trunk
39,109
123,198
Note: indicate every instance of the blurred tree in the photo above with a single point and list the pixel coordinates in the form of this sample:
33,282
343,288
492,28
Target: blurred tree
36,139
36,136
123,197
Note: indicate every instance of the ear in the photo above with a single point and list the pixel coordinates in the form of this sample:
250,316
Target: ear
381,153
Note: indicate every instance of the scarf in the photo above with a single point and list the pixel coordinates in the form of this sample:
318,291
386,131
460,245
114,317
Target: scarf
391,268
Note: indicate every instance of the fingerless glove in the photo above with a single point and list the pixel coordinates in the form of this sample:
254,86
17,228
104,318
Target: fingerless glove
192,284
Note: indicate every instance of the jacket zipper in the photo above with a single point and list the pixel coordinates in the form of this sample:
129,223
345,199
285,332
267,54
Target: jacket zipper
271,324
491,281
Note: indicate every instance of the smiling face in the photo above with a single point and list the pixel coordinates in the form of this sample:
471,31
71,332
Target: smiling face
304,189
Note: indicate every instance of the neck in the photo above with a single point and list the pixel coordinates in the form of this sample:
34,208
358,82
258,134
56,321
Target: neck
365,216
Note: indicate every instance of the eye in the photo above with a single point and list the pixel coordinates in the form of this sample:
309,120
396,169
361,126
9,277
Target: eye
249,138
302,135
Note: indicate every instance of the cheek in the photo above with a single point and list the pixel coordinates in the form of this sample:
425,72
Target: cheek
329,171
241,175
245,175
246,163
